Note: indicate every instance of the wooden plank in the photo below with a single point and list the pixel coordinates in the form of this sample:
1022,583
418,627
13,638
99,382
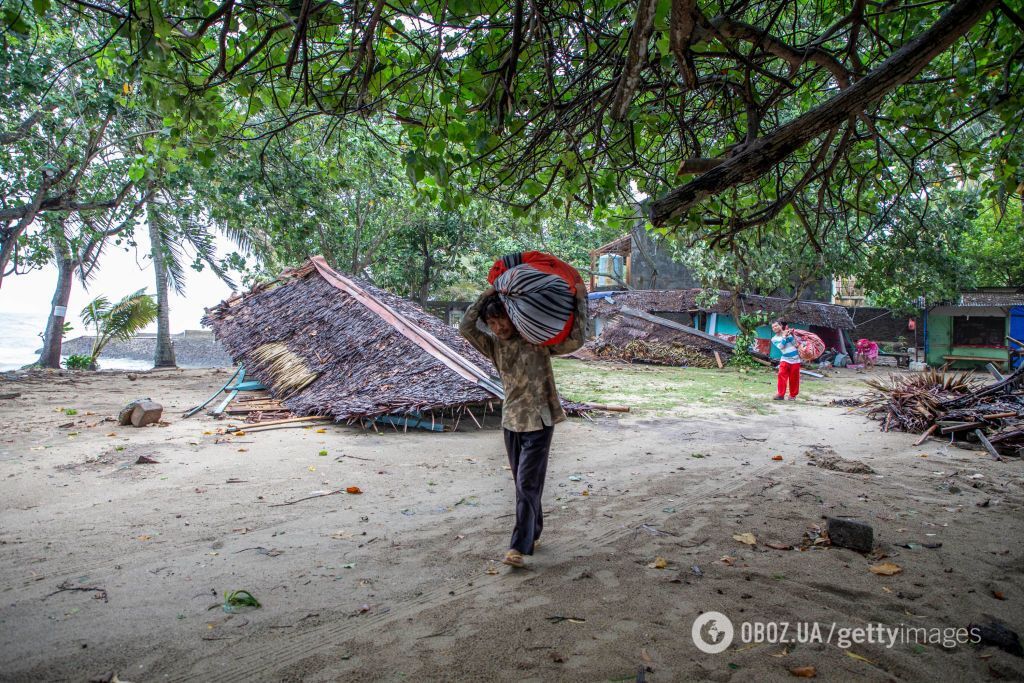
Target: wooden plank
192,411
718,359
924,436
219,410
978,358
995,373
672,324
988,445
960,426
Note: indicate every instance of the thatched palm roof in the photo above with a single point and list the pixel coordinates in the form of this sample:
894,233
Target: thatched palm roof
333,345
683,300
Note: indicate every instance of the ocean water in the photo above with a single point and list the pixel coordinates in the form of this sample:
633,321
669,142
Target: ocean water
20,343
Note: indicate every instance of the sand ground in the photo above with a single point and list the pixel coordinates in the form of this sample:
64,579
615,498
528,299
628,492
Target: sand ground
401,582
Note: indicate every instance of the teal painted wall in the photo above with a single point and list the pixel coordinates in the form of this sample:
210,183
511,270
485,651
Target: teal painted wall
726,325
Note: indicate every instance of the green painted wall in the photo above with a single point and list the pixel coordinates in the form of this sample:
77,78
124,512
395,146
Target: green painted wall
940,327
940,331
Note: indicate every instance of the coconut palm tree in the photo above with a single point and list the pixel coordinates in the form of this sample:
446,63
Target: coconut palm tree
120,321
179,221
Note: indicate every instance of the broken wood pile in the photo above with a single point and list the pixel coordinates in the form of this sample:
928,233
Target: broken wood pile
258,406
957,405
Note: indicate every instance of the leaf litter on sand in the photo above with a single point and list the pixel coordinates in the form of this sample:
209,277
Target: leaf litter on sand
885,569
746,537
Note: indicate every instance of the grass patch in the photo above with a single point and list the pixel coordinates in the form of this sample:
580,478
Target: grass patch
670,390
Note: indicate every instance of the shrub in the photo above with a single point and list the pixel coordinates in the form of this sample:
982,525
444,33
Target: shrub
79,362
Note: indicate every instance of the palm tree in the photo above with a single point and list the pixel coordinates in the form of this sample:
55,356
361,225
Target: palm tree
121,321
177,218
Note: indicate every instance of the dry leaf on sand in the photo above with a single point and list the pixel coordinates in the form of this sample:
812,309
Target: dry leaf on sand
747,538
885,569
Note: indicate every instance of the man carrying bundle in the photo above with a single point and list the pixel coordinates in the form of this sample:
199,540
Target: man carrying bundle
532,407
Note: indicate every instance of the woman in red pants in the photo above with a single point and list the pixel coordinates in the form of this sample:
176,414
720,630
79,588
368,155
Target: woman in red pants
789,364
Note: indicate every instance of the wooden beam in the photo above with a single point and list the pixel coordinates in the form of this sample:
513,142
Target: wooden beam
988,445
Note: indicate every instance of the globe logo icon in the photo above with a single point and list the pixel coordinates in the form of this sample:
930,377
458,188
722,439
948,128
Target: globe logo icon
712,632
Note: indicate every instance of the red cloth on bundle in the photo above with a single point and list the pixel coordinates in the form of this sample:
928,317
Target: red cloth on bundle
808,345
538,291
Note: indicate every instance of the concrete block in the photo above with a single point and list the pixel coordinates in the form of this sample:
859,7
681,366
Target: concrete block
851,533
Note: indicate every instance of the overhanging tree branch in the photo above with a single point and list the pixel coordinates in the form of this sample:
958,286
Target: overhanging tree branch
763,154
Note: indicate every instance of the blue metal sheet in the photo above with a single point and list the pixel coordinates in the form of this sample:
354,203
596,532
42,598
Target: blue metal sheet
1017,331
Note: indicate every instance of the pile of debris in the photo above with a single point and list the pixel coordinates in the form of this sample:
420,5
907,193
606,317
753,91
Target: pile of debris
651,352
954,405
635,337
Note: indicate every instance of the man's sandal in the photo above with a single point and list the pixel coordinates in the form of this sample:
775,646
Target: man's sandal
514,558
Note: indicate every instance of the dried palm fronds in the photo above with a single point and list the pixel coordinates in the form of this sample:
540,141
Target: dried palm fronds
910,403
953,404
288,371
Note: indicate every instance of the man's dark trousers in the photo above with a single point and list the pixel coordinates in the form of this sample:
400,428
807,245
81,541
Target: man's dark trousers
528,459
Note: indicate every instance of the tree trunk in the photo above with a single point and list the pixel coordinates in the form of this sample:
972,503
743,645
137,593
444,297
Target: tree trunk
164,356
54,335
428,266
762,155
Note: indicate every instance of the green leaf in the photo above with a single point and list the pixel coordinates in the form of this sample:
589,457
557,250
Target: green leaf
41,6
136,173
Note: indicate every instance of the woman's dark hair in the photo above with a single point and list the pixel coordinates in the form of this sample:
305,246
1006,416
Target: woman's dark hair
779,321
493,308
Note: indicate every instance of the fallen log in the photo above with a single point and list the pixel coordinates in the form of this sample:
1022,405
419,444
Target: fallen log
607,408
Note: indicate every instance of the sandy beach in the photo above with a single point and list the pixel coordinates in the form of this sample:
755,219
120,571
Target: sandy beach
112,567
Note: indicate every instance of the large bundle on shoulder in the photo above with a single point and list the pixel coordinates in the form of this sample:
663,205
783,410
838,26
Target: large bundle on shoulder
539,292
808,345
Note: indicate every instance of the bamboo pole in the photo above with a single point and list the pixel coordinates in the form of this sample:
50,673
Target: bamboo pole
290,420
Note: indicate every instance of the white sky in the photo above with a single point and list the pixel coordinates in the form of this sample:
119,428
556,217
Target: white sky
121,272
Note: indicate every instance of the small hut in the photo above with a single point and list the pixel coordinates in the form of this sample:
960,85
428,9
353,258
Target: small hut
327,344
978,327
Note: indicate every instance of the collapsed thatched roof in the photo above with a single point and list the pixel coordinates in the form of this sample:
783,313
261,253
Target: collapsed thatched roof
332,345
632,339
683,300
